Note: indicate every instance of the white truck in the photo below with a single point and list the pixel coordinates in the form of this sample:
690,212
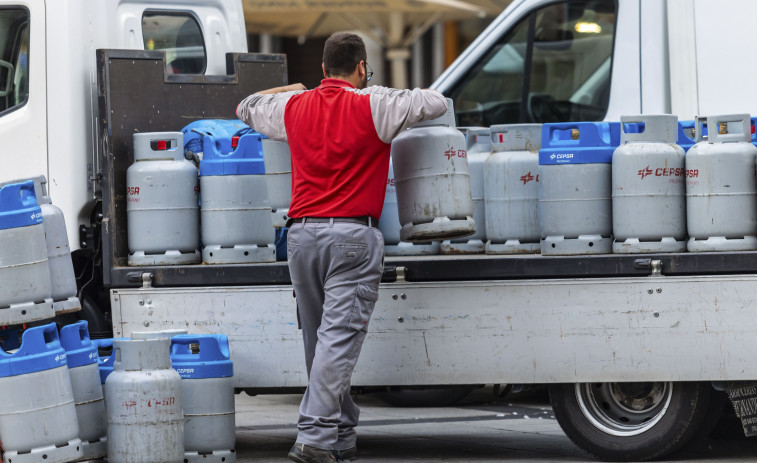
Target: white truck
633,347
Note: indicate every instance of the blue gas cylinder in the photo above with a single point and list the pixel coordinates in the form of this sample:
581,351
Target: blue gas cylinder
37,413
195,132
25,286
105,361
88,393
575,188
207,389
235,210
281,243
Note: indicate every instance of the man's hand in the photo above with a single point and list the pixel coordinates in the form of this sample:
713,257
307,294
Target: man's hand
287,88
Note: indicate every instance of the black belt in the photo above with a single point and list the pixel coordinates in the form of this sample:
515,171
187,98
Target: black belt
364,220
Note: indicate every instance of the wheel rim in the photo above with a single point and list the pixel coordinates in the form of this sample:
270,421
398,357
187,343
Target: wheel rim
624,409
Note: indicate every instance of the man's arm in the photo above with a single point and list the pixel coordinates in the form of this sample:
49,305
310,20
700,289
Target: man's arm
395,110
286,88
264,110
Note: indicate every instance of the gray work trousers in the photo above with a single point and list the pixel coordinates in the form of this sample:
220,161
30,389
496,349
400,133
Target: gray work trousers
335,269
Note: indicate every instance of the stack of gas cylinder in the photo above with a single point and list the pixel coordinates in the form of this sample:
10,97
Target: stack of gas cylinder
233,210
646,184
52,408
170,392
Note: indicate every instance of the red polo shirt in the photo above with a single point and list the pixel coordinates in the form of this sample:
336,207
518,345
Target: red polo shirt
339,163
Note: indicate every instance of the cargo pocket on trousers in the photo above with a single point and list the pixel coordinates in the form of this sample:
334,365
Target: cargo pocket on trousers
362,307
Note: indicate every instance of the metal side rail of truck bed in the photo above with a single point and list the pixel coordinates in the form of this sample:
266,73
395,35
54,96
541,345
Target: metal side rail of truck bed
457,268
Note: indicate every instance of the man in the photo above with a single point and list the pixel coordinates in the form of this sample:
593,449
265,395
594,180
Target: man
339,135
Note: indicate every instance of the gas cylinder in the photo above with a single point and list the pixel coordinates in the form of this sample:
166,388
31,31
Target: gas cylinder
478,145
63,279
575,202
105,358
686,135
207,390
236,212
432,181
143,404
82,357
511,185
161,202
721,191
278,175
389,225
648,186
196,131
37,413
25,291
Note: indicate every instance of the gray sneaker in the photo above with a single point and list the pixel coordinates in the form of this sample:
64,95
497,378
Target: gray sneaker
349,454
302,453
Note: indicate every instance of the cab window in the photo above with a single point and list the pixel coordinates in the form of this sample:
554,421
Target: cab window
14,58
180,36
554,66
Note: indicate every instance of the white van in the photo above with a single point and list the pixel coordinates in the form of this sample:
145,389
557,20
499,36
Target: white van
573,60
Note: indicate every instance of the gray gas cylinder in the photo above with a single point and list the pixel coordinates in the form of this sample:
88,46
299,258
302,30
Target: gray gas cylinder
278,175
162,207
236,212
37,414
207,388
721,191
63,279
25,291
143,403
389,225
575,191
432,180
511,185
88,394
478,145
648,186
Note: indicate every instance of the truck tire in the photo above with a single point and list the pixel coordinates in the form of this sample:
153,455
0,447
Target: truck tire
630,421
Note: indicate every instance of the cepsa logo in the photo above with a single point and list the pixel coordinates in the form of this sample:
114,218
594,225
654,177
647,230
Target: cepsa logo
528,177
133,193
451,153
661,172
390,182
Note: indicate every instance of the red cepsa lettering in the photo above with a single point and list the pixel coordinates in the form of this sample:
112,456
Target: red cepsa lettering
692,173
451,153
528,177
661,172
132,190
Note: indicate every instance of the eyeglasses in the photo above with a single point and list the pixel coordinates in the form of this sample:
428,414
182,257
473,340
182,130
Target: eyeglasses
368,71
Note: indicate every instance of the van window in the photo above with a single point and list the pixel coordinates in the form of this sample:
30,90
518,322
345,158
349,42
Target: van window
179,34
14,58
554,66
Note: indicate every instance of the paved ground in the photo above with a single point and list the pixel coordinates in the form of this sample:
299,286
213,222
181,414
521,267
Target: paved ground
480,429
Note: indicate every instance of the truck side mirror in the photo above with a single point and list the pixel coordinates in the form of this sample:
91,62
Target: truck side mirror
6,75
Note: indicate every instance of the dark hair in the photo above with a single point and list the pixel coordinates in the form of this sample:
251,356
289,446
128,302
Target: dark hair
342,52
